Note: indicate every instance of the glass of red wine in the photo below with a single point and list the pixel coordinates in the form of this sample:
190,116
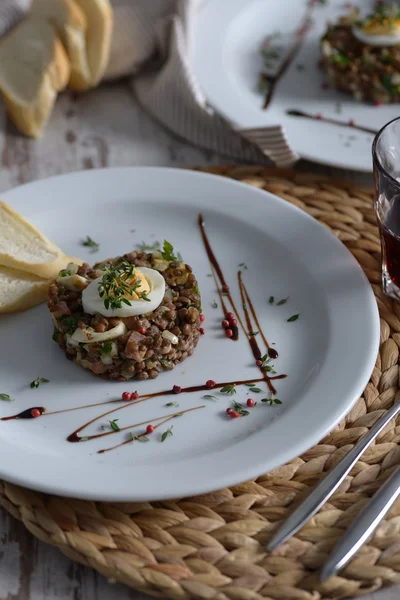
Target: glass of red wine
386,158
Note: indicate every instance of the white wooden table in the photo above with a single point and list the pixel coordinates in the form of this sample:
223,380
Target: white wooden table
102,128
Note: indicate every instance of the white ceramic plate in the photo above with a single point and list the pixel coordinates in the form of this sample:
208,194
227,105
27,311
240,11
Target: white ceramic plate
328,353
227,63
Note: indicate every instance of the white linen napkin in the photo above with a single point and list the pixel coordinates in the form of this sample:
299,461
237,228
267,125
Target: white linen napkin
152,43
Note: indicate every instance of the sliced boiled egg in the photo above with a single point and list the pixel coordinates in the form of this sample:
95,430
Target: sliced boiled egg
378,32
152,287
90,336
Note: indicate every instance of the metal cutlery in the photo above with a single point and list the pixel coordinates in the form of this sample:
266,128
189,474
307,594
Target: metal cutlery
363,527
329,484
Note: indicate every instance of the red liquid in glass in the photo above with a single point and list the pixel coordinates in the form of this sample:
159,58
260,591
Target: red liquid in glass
390,236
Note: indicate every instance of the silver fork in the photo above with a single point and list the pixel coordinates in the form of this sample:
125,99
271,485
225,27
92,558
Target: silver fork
329,484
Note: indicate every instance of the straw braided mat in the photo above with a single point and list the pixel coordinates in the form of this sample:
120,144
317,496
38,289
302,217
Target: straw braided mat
212,546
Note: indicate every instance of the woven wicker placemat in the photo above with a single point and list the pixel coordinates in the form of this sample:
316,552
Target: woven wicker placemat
213,546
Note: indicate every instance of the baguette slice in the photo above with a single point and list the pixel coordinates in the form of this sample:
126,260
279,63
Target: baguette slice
99,18
33,69
25,248
20,291
71,25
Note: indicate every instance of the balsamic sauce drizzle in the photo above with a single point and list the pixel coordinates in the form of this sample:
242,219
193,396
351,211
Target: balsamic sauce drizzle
218,275
294,49
300,113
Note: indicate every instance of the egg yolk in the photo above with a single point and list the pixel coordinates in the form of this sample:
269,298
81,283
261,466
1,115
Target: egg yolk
143,287
382,27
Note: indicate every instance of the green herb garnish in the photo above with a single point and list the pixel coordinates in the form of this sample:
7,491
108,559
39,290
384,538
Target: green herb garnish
91,244
228,389
36,382
255,390
168,252
283,301
210,397
6,398
71,323
56,335
172,404
65,273
240,409
114,426
271,401
271,299
139,438
243,265
105,348
293,318
164,363
253,333
167,433
116,283
214,304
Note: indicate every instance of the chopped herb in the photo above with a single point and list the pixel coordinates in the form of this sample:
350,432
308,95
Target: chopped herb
253,332
36,382
139,438
105,348
210,397
167,433
214,304
147,247
65,273
224,294
71,323
114,425
177,415
164,363
293,318
243,265
271,300
6,397
56,335
340,59
283,301
168,252
228,389
116,283
271,401
209,274
240,409
255,390
84,439
172,404
91,244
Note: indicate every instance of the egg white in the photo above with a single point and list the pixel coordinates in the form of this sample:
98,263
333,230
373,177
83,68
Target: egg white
375,40
92,303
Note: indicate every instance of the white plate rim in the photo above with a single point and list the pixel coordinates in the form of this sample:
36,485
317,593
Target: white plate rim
243,470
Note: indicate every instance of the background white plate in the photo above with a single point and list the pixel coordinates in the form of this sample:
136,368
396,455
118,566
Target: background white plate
227,63
328,353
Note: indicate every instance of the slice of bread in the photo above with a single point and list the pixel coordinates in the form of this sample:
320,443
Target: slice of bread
33,69
25,248
99,18
71,25
20,291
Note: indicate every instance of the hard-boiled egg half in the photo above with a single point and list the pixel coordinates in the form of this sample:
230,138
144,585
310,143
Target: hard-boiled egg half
148,295
382,28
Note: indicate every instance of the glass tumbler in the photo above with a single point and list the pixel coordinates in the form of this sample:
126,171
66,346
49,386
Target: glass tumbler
386,159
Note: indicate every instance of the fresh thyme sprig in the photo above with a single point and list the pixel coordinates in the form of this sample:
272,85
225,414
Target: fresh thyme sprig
115,284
